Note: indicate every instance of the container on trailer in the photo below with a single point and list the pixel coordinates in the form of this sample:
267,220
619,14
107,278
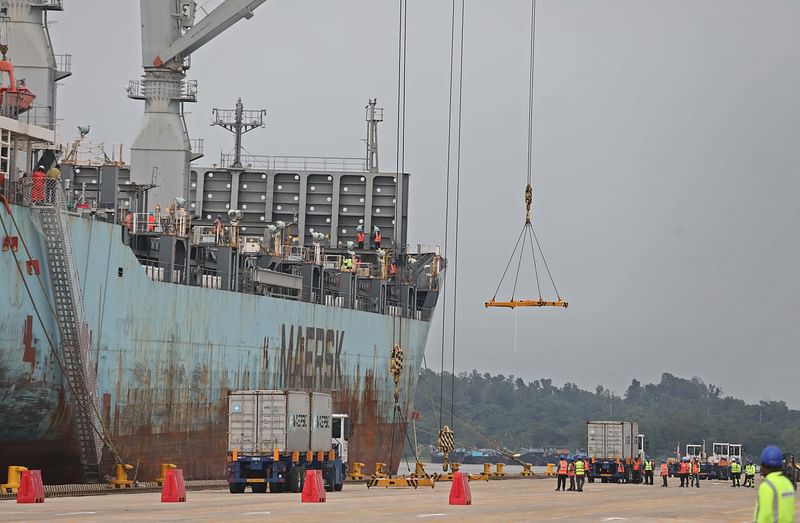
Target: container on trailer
298,424
242,424
272,421
609,440
321,432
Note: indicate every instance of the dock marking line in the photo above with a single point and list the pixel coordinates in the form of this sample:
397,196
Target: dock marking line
437,515
263,513
76,514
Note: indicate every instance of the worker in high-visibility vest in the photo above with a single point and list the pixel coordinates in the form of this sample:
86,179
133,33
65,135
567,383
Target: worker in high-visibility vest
580,473
562,475
620,472
571,473
696,472
736,473
648,472
376,237
776,493
683,472
637,474
750,474
664,473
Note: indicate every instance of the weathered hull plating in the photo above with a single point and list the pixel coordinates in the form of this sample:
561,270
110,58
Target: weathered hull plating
166,356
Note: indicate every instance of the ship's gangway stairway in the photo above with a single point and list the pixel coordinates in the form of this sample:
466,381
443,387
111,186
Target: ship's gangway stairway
73,330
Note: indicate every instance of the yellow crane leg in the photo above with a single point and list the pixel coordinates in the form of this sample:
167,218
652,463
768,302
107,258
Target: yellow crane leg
525,303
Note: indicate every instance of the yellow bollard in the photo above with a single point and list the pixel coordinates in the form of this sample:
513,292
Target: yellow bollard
379,473
455,466
487,469
357,474
121,476
499,473
551,470
164,468
526,470
14,475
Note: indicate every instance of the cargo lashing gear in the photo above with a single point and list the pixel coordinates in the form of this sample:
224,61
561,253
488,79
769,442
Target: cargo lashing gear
527,236
527,229
419,477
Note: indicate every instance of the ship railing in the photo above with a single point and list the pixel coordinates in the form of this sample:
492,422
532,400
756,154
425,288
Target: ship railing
170,224
297,163
333,298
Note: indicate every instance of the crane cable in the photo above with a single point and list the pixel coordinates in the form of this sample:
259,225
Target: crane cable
528,235
446,436
397,353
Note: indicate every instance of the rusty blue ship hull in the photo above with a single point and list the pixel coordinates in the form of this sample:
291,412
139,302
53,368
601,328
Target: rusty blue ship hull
166,355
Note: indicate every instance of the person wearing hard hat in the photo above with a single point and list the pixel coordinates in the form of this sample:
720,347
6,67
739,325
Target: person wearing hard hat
683,472
750,474
736,473
571,473
580,473
775,502
562,475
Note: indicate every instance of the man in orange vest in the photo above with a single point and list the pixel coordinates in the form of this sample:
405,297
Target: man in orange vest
376,237
360,236
696,472
620,472
664,473
571,474
562,475
637,471
683,473
37,186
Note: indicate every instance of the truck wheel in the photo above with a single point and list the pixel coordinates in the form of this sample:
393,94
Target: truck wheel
338,487
329,477
275,488
236,488
259,488
296,479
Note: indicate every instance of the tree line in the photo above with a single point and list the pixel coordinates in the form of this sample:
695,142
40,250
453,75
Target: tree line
503,410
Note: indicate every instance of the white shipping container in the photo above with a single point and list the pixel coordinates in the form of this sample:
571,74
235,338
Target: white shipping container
272,421
612,439
321,431
242,426
298,424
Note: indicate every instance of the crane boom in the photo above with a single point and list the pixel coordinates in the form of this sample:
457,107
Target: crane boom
208,28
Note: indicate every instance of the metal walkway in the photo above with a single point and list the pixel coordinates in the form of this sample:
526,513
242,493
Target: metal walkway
75,347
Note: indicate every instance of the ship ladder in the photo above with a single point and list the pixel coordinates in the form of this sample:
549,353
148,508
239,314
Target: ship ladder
73,330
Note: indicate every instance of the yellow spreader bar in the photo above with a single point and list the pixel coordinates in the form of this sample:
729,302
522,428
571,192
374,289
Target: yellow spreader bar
526,303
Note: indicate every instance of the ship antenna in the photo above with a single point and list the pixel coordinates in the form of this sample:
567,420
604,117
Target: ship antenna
238,121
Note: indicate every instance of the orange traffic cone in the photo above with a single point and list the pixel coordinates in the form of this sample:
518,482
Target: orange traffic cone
174,489
31,489
313,488
459,491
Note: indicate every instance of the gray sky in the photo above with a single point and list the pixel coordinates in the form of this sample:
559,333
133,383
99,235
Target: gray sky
665,170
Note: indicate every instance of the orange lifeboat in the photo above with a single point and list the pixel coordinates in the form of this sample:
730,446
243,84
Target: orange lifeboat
14,98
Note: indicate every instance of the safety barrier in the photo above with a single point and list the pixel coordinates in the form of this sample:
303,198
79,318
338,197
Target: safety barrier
174,489
313,488
31,489
460,493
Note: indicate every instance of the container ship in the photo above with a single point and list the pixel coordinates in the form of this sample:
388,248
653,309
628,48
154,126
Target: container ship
135,297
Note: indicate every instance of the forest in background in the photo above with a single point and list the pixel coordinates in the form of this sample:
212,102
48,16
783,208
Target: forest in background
490,410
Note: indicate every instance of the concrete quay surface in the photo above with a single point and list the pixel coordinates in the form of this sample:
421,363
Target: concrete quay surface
499,500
